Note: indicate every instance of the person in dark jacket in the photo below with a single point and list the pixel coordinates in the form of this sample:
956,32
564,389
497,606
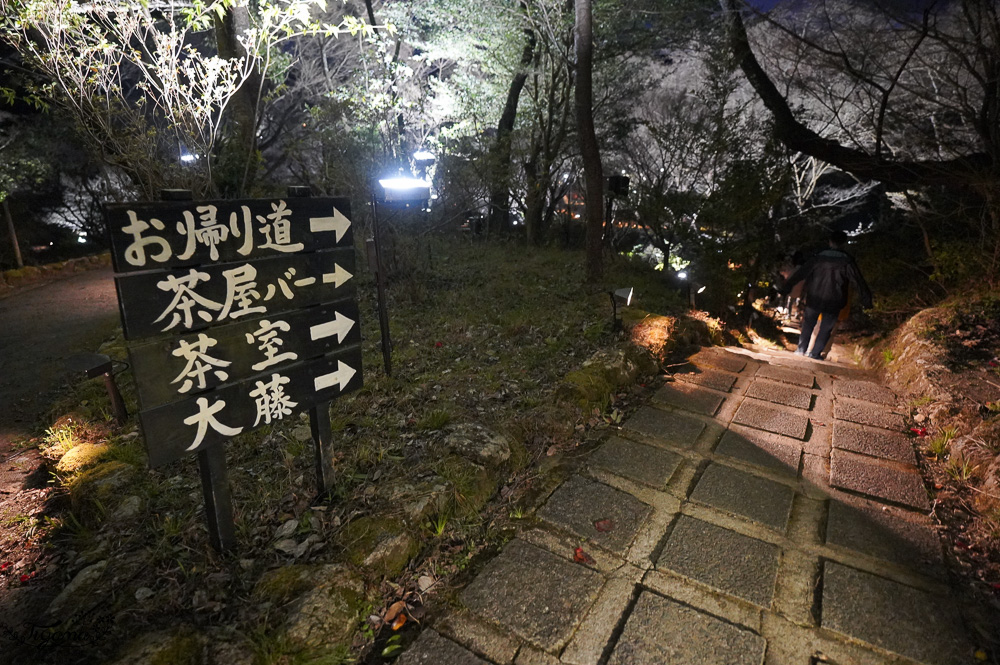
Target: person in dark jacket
827,277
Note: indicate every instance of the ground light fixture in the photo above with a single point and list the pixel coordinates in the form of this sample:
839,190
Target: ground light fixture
398,189
694,288
621,297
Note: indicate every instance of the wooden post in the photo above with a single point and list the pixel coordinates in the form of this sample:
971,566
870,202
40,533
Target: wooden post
319,423
319,415
218,502
13,233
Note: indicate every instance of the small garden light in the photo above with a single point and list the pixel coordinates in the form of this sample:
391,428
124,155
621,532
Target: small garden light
619,297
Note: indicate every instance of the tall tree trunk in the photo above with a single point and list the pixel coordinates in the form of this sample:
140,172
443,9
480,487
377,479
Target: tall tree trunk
533,202
239,159
499,203
592,172
13,233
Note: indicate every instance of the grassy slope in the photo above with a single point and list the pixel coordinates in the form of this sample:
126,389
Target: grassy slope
483,334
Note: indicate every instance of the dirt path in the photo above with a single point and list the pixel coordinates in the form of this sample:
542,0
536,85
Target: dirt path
40,327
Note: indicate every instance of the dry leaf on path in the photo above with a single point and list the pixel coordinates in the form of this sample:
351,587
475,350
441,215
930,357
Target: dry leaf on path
604,525
394,611
582,557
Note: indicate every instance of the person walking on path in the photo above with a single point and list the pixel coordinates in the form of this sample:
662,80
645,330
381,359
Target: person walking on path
827,277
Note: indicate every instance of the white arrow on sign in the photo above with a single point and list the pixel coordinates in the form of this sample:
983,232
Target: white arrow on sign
342,377
340,326
338,276
338,223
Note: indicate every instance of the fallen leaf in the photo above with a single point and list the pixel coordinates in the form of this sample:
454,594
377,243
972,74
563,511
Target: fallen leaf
604,525
394,611
288,546
398,623
425,582
582,557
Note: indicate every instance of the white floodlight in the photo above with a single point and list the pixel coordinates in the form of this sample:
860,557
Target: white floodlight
402,189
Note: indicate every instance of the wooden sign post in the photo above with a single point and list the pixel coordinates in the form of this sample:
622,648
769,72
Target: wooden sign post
238,314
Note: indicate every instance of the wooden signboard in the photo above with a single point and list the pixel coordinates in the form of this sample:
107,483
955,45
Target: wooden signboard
240,314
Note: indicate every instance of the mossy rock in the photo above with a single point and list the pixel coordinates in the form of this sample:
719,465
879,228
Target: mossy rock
662,336
586,388
182,646
418,501
478,444
100,487
379,544
329,613
280,585
81,456
472,485
18,275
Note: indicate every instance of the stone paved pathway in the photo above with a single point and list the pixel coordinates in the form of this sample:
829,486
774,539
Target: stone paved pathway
763,509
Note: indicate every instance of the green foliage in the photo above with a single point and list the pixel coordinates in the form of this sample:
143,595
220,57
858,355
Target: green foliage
940,444
435,420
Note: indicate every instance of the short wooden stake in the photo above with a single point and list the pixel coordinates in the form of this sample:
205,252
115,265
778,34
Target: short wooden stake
319,422
218,502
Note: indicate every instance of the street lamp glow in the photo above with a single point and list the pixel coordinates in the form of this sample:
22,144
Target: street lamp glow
402,189
423,156
682,275
187,157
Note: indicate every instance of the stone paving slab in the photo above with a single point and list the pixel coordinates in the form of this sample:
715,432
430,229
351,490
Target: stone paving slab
533,593
796,377
636,461
761,415
779,393
867,391
724,360
735,564
880,480
874,442
764,449
710,378
660,631
432,649
864,413
741,493
665,426
895,617
689,398
883,532
579,503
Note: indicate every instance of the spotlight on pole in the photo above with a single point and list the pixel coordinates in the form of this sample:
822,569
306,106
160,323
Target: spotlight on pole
621,297
391,190
403,189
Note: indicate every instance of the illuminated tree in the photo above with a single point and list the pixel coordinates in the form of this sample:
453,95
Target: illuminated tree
162,89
